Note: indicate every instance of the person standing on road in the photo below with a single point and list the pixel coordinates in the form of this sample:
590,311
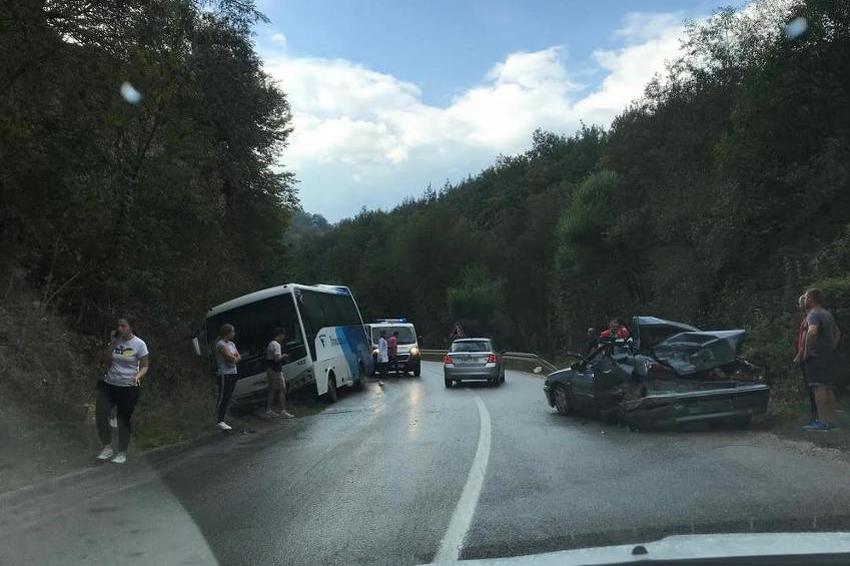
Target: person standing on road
119,388
822,336
392,351
798,358
275,358
383,356
226,357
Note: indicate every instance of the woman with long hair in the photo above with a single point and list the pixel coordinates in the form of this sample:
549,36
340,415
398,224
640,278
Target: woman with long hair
119,388
226,357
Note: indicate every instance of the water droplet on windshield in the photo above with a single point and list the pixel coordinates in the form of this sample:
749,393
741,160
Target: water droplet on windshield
130,94
796,27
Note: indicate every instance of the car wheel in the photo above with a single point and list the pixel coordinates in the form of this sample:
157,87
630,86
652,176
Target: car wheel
361,378
448,382
563,403
503,378
332,394
417,370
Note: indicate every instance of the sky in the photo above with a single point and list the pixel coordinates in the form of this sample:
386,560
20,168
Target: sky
389,96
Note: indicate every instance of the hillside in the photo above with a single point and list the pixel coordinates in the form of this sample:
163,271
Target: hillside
715,199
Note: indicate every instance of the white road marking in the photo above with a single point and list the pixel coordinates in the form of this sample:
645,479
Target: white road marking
452,543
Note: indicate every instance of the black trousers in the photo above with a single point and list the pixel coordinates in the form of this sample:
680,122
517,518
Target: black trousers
124,399
226,385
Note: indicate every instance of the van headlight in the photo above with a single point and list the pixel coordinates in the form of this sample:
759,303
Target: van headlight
414,351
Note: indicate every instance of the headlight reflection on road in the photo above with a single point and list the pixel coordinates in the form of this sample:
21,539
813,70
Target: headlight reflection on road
414,403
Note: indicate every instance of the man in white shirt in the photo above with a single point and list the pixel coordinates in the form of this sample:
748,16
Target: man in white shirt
275,358
383,355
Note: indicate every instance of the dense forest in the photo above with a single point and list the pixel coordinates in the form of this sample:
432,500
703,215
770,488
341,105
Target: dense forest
140,143
714,199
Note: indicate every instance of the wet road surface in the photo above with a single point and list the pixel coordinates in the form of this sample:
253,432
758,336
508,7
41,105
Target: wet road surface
412,472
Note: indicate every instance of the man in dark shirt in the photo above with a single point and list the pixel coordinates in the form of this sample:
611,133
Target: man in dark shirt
591,340
822,336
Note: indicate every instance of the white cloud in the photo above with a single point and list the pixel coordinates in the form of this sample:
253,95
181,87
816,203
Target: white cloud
628,69
363,137
644,26
279,38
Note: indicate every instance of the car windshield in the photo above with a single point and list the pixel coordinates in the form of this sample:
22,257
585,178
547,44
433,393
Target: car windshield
613,238
472,346
406,334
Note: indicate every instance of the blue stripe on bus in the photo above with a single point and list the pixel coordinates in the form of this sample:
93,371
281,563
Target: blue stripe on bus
352,339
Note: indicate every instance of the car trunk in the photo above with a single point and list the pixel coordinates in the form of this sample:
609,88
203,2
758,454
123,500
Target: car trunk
710,383
700,353
469,359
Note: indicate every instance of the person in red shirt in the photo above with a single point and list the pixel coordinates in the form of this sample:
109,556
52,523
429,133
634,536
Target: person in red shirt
392,349
616,329
798,358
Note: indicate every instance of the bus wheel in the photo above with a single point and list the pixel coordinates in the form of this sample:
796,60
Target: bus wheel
361,378
331,394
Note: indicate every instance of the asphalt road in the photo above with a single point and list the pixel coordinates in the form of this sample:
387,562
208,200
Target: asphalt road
413,472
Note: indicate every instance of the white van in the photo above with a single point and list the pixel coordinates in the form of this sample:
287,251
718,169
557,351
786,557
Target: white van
409,358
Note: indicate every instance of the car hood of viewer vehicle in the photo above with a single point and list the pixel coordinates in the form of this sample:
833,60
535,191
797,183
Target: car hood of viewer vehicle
688,353
793,547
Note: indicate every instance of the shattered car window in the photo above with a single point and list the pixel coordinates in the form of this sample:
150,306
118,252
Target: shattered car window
692,352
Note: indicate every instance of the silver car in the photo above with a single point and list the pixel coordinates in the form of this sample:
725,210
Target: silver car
473,359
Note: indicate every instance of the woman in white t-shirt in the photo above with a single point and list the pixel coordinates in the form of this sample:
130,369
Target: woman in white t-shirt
226,358
119,388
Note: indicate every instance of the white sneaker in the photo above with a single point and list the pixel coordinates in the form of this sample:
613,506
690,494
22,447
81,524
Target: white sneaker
113,422
271,414
287,415
106,453
224,426
120,458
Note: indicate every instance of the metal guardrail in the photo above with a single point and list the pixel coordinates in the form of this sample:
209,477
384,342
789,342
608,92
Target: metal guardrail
521,357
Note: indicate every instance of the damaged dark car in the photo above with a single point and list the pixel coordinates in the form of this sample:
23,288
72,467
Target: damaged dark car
665,375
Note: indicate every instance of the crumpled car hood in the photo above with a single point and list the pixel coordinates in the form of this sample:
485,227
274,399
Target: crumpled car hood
688,353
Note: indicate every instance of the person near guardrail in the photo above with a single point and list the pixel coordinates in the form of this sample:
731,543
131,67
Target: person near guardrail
591,340
798,359
616,329
392,351
819,360
383,356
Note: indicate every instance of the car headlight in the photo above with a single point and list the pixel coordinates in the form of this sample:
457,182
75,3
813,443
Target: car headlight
414,351
375,352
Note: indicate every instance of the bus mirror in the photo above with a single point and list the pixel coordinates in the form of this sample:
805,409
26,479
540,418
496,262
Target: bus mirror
196,346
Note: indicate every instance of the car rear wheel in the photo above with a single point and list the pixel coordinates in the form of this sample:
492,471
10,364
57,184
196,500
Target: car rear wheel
331,395
361,378
563,403
448,382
